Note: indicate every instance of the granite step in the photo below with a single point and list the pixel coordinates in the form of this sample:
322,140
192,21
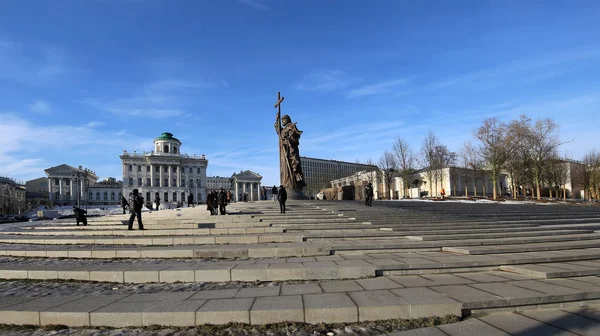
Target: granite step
526,247
156,239
475,235
122,231
265,250
556,270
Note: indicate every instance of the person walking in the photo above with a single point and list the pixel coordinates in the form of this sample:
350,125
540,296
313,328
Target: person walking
124,203
80,215
222,201
369,195
135,209
274,192
190,200
282,197
157,201
209,203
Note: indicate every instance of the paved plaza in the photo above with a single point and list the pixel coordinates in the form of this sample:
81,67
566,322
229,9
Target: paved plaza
504,267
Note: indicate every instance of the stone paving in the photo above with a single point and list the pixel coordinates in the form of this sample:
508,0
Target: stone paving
333,262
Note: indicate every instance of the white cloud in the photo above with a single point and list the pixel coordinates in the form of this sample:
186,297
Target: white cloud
325,81
93,124
31,147
40,106
378,88
254,4
529,70
32,63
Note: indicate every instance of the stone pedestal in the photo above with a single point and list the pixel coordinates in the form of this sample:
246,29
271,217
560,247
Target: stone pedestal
295,194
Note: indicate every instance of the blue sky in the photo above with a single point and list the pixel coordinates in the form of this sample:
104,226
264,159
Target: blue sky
81,81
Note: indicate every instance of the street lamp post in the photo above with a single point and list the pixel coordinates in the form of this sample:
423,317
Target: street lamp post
196,185
81,185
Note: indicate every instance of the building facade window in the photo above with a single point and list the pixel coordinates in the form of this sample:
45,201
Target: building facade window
140,168
130,168
147,181
131,181
97,195
191,170
139,182
174,197
105,196
91,196
183,197
183,182
166,197
112,196
198,170
148,168
166,182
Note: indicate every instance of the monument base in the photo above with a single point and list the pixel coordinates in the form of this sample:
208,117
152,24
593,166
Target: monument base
296,194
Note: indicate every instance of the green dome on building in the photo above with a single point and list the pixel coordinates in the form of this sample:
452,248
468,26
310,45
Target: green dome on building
167,136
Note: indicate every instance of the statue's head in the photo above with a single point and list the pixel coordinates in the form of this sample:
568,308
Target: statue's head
286,120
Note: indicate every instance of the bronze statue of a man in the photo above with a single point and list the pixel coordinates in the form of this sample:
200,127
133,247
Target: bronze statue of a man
289,154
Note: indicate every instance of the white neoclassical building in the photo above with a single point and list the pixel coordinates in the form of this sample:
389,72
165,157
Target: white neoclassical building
165,172
67,184
107,192
246,182
218,182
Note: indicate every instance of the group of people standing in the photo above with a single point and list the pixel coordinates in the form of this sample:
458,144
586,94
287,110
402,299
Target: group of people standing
218,199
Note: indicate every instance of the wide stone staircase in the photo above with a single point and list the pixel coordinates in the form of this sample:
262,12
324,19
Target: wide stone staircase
322,261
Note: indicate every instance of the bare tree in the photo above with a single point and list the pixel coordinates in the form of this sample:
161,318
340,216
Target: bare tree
543,142
442,159
557,175
498,142
388,168
590,176
405,161
428,158
471,163
371,171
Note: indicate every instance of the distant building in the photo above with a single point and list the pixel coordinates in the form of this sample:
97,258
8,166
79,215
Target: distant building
246,182
12,196
318,173
165,172
107,192
456,181
218,182
38,192
67,184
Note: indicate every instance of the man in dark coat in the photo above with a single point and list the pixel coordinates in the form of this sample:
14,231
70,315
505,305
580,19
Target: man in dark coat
190,200
274,192
369,195
222,201
80,215
136,203
209,203
124,203
282,197
157,201
215,202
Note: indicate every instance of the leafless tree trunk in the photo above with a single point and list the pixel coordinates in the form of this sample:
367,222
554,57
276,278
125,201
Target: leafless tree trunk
405,161
428,158
388,168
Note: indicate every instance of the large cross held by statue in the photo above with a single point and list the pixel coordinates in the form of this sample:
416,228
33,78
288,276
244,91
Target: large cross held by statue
279,101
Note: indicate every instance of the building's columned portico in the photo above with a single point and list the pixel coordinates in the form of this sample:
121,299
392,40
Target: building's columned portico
67,184
246,182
